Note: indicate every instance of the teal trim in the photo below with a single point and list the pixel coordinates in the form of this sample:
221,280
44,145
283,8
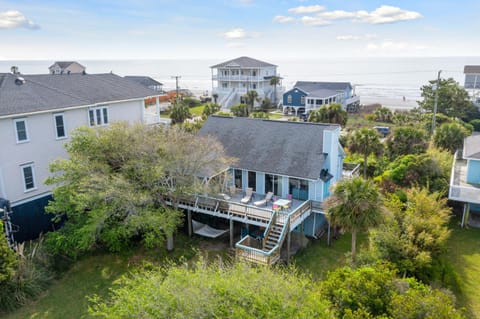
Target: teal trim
473,171
32,219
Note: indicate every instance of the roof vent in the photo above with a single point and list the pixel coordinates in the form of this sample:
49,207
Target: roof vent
19,80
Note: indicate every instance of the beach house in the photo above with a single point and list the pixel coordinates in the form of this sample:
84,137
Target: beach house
37,114
307,96
66,67
232,79
146,81
465,180
283,173
472,82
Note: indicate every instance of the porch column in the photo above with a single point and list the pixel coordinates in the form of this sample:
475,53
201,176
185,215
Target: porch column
231,233
189,221
157,105
328,234
466,214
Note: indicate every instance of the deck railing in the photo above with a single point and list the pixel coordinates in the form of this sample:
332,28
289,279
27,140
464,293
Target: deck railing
458,192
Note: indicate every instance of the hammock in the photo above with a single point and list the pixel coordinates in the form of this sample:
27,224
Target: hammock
207,231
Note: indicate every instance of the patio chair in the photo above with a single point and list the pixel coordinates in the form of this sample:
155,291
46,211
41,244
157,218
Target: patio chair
248,195
264,201
276,208
232,190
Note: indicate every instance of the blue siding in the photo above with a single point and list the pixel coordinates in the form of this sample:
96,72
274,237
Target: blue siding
296,97
313,223
260,183
244,180
473,172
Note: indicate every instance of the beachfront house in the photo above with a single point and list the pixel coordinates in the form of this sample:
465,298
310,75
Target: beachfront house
307,96
37,114
66,67
465,180
283,173
232,79
472,82
146,81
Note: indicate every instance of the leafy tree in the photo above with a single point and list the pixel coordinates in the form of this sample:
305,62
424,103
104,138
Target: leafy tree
274,81
406,140
453,100
8,258
383,114
332,113
476,124
355,205
180,112
266,104
376,292
365,141
450,136
213,291
113,187
414,234
240,110
209,109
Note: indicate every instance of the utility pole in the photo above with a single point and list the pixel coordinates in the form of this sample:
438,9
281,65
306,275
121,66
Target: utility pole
176,77
434,118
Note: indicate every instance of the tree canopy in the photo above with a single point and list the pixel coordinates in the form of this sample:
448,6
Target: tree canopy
450,136
112,187
8,258
365,141
332,113
180,112
453,100
406,140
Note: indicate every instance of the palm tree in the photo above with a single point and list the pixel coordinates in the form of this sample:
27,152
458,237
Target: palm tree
251,97
365,141
337,114
274,81
355,205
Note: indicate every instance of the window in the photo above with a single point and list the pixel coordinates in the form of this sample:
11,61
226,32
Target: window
21,131
238,178
254,73
98,116
273,183
59,126
252,180
289,99
298,188
318,102
254,86
28,177
302,100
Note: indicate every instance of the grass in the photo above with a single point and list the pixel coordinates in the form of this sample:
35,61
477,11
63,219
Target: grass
197,110
463,261
95,274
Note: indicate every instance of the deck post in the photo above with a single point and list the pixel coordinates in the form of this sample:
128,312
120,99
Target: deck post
231,232
289,239
189,221
328,234
466,213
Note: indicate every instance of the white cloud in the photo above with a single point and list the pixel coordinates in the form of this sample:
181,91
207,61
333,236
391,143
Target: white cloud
389,45
337,14
307,9
314,21
13,19
387,14
350,37
283,19
237,33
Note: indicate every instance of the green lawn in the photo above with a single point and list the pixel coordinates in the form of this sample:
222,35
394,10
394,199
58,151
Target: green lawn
197,110
463,256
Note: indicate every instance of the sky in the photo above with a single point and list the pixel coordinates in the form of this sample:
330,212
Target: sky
187,29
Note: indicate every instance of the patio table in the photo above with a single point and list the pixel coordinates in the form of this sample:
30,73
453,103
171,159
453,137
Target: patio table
284,203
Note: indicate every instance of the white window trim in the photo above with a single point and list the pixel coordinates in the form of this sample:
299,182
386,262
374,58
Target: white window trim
15,121
55,126
32,166
94,109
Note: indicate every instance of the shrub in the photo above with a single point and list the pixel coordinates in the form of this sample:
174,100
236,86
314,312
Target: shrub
476,125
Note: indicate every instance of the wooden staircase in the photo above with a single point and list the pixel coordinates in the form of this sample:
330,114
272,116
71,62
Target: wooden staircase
273,237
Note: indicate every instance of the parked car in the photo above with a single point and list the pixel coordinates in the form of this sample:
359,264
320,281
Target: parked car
384,130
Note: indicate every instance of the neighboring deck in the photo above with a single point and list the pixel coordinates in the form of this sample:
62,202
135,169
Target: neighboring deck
232,209
460,190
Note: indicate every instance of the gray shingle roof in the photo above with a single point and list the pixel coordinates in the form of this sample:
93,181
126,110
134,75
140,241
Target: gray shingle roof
42,92
243,62
143,80
316,86
276,147
471,147
471,69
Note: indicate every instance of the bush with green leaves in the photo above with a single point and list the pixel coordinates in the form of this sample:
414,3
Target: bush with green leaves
259,115
8,258
406,140
180,112
240,110
209,109
450,136
191,101
383,114
475,124
213,291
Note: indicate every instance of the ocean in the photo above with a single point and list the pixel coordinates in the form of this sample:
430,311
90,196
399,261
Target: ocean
376,80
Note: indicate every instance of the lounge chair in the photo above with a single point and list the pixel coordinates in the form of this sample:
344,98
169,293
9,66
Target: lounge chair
248,195
264,201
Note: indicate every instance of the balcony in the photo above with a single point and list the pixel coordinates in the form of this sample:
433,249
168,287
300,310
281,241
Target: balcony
238,78
460,190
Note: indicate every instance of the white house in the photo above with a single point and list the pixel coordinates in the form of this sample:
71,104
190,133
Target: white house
66,67
232,79
37,115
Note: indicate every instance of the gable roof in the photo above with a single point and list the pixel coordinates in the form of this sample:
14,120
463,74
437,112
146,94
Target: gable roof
64,64
243,62
322,88
471,69
471,147
143,80
43,92
277,147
